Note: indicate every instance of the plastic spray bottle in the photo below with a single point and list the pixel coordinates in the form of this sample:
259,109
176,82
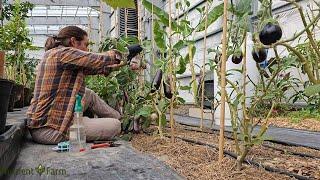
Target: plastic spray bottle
77,136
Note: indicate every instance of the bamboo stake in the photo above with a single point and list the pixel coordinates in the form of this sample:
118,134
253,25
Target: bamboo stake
141,72
152,38
223,81
100,21
172,80
89,26
204,63
116,22
126,22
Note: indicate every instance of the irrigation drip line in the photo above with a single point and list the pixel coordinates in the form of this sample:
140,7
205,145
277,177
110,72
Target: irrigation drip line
286,143
265,145
247,161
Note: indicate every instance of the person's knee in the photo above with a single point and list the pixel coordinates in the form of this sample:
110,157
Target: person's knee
117,115
117,127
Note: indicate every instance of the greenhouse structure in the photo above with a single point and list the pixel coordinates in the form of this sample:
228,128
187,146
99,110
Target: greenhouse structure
160,89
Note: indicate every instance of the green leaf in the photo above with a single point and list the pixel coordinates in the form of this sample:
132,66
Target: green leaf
312,90
213,15
158,63
163,120
182,66
159,37
181,100
160,13
243,7
145,111
180,44
121,3
185,88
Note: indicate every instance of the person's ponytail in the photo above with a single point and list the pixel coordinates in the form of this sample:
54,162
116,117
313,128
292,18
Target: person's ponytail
51,43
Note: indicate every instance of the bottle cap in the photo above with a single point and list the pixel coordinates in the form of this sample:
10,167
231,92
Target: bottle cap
78,106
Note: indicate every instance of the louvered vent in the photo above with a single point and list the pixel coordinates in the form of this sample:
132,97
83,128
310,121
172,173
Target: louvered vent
132,22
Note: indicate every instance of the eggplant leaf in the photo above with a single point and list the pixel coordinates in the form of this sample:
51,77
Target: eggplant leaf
213,15
159,37
121,3
182,66
312,90
180,44
161,14
145,111
185,88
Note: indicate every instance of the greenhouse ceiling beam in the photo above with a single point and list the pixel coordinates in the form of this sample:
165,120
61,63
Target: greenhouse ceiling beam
43,20
51,32
84,3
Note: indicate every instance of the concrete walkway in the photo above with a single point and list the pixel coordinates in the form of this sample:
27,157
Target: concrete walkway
122,162
286,135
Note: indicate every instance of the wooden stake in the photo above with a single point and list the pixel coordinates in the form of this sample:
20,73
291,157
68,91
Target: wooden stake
100,21
116,30
244,75
204,63
172,80
126,22
89,26
152,38
223,80
141,72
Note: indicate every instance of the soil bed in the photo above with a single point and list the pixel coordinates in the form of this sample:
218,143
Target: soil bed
200,162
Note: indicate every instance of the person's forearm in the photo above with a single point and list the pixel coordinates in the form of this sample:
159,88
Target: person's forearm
87,60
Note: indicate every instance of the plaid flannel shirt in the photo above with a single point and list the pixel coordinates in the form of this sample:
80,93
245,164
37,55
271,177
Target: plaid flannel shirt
60,77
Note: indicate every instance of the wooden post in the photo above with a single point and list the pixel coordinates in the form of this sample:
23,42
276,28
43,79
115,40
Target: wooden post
204,63
100,21
223,80
2,60
172,80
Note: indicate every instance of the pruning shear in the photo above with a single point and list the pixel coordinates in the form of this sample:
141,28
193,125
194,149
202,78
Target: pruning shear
103,144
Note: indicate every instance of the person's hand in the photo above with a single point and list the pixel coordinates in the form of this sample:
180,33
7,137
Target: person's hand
135,63
115,58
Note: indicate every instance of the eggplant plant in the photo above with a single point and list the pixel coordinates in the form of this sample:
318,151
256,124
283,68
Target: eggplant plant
171,60
306,54
268,90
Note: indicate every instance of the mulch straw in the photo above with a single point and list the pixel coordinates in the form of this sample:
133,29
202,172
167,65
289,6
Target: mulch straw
195,161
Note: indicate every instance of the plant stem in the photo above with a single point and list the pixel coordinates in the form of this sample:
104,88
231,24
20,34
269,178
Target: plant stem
241,158
160,118
193,73
265,126
234,124
223,80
